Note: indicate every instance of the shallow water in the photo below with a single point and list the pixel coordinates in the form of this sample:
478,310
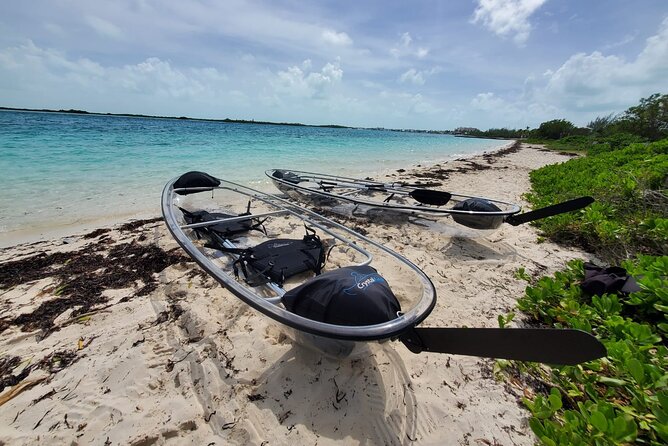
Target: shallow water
61,170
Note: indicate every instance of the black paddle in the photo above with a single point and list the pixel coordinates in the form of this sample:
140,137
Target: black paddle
549,211
547,345
439,198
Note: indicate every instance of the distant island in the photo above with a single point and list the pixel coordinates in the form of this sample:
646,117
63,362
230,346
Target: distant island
464,132
226,120
133,115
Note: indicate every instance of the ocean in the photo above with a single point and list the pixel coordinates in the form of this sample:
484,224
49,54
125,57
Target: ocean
62,170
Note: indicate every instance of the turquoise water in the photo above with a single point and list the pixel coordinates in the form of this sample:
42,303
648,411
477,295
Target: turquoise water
61,169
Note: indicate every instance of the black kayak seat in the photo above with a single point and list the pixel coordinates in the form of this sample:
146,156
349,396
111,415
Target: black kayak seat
224,229
277,260
280,259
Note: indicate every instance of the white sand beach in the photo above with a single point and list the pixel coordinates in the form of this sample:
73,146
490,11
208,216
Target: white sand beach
183,361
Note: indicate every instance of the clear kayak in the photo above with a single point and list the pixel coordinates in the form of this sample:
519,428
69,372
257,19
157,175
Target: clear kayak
332,289
478,213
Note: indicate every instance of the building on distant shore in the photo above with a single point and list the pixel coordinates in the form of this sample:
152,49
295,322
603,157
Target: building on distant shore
467,131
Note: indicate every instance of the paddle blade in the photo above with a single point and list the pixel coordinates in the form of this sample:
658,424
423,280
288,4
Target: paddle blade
428,196
549,211
547,345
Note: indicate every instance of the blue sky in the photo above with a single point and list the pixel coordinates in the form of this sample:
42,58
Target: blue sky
394,64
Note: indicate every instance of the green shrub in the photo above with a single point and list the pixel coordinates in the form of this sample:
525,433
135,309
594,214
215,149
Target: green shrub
555,129
622,398
612,142
648,119
631,208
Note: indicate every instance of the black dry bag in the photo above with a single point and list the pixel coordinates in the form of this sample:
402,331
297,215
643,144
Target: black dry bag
195,179
477,221
287,176
353,296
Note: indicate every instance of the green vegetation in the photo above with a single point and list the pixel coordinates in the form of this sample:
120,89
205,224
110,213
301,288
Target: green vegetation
630,214
502,133
623,398
648,119
626,174
591,144
555,129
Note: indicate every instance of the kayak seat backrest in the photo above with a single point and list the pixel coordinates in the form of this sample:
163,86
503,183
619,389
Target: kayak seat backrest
223,229
352,296
279,259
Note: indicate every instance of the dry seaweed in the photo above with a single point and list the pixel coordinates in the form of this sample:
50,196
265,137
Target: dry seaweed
490,158
7,366
82,276
57,361
138,223
96,233
444,174
31,268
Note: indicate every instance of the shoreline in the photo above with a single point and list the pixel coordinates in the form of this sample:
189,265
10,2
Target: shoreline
162,354
40,233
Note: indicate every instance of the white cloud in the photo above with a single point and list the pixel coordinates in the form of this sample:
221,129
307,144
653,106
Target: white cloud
84,81
583,87
413,76
507,17
104,27
29,59
598,82
487,101
623,41
160,78
335,38
398,107
405,48
421,106
296,81
332,71
421,53
418,77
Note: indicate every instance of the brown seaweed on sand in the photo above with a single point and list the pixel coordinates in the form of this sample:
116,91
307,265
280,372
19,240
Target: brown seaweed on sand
82,276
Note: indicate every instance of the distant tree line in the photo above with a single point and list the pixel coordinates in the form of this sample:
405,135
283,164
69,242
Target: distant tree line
647,121
493,133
